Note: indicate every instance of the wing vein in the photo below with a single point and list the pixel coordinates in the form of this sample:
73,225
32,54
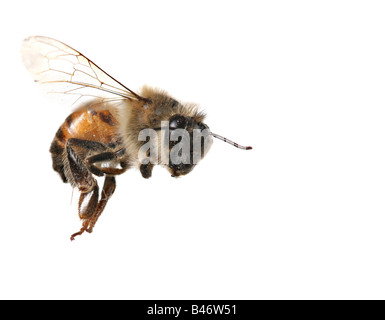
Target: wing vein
60,69
88,86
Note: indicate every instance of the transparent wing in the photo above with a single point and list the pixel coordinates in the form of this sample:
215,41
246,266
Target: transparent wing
61,70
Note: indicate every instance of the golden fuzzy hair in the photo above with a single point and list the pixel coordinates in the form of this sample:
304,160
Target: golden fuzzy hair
156,106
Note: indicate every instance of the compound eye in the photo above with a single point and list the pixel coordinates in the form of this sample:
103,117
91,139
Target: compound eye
177,122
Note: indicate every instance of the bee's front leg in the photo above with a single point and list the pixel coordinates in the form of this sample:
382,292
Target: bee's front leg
146,170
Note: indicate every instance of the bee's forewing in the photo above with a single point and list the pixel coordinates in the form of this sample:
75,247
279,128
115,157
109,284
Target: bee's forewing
64,72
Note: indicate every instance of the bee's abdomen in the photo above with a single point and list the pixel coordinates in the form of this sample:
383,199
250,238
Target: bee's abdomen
91,125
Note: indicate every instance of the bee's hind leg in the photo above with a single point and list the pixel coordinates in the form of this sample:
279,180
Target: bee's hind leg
88,187
90,207
88,203
108,189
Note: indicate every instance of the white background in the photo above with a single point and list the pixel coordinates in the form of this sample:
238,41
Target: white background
299,217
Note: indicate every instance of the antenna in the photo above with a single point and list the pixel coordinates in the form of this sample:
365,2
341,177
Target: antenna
231,142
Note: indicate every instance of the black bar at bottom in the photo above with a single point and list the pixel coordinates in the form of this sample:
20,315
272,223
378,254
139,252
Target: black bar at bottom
192,309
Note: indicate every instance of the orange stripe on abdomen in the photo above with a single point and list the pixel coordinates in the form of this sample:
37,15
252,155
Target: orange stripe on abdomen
90,125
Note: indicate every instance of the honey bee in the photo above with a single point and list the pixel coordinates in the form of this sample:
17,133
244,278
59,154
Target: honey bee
101,138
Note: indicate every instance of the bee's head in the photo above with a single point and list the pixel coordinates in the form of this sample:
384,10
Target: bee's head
189,141
181,137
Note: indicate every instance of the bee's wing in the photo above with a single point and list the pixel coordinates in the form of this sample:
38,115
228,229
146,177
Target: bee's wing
63,71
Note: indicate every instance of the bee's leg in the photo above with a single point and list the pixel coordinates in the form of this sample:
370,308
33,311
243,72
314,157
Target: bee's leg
87,144
146,170
146,167
105,157
109,182
108,189
57,159
87,185
88,202
90,208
